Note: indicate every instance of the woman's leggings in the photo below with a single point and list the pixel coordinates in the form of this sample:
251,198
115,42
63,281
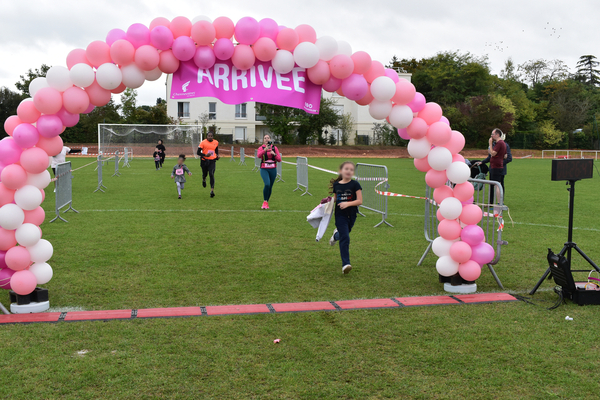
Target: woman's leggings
208,168
268,176
162,160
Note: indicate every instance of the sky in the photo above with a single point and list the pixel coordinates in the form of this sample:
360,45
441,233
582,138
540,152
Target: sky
43,32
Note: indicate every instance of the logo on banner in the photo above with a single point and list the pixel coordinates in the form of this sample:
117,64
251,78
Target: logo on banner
184,86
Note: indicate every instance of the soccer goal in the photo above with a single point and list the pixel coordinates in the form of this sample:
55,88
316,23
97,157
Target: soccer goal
141,140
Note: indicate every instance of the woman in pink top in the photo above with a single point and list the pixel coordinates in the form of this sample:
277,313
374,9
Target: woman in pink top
269,155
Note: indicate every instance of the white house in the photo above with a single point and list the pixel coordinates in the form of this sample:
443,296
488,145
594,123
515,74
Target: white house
242,122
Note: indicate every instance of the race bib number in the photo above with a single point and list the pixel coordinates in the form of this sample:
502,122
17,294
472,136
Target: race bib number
179,171
269,165
157,158
210,153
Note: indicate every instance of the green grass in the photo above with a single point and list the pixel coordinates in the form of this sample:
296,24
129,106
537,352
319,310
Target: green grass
138,246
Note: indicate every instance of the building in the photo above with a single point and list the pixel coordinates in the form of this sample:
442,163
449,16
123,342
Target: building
244,125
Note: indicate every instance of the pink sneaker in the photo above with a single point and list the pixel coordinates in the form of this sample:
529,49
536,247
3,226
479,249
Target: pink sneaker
265,205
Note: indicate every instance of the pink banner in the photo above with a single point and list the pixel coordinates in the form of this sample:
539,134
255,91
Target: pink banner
260,84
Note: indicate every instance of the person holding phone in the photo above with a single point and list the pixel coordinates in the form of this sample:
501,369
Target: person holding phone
269,155
208,150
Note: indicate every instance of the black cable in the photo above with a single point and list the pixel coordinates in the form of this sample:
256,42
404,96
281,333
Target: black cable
559,292
529,300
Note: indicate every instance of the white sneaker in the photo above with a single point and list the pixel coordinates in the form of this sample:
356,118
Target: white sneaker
346,268
332,240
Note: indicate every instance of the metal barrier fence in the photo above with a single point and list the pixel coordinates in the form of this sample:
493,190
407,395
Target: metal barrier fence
571,154
242,156
117,173
64,193
256,161
280,170
369,176
302,174
490,223
126,157
232,158
99,169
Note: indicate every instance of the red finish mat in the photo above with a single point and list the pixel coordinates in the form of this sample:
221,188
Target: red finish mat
485,297
91,315
427,300
307,306
169,312
373,303
20,318
243,309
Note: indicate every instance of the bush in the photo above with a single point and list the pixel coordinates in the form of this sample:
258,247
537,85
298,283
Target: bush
551,137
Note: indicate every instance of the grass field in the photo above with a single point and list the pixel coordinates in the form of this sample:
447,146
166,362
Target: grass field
138,246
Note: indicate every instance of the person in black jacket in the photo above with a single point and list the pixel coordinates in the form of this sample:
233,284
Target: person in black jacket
162,149
507,159
156,156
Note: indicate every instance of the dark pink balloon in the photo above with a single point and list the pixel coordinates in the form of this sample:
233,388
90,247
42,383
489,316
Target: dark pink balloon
390,73
403,134
49,126
5,275
138,35
68,119
418,103
223,49
332,84
26,135
10,151
161,37
114,35
355,87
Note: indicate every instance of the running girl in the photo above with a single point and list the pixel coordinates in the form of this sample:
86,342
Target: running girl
348,196
208,150
157,158
269,154
179,172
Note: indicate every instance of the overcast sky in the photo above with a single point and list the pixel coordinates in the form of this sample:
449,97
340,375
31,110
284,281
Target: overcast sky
37,32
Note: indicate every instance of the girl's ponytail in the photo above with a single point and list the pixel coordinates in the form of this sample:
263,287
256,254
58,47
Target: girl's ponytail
333,182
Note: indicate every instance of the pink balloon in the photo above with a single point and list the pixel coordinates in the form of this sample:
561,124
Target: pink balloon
17,258
466,203
224,28
26,135
122,52
445,120
35,216
77,56
5,275
98,96
181,27
51,146
367,99
417,128
184,48
320,73
458,158
49,126
441,193
375,71
460,252
98,53
146,57
119,89
223,49
449,229
469,271
422,164
67,119
75,100
403,133
431,113
203,33
439,133
138,35
332,84
417,103
34,160
13,176
114,35
6,195
23,282
204,57
7,239
168,62
287,39
161,37
48,100
405,92
264,49
2,260
341,66
436,179
483,253
159,21
11,123
472,235
89,109
362,62
464,191
243,57
355,87
456,142
439,215
27,112
392,74
471,215
269,28
247,30
10,151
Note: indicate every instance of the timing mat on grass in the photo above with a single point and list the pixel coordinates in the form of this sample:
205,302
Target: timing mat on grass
397,302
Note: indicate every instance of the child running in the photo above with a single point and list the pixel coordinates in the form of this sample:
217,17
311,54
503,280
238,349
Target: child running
348,196
179,172
157,158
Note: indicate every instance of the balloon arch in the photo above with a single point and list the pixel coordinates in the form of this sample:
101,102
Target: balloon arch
128,59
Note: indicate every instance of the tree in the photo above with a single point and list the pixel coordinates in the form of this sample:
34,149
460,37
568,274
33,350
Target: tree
129,106
569,107
510,71
534,70
203,121
311,126
23,83
9,101
385,134
282,121
557,71
551,136
346,125
587,66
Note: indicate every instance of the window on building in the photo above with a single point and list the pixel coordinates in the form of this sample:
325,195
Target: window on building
240,110
212,110
183,109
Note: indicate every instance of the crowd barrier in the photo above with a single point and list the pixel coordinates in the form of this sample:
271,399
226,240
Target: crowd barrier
280,170
117,173
256,161
125,158
64,193
302,175
99,169
232,155
371,176
242,156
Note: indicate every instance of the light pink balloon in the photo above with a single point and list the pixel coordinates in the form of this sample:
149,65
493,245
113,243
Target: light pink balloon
51,146
35,216
181,27
439,133
332,84
204,57
13,176
449,229
75,100
243,57
377,69
483,253
355,87
392,74
159,21
471,214
269,28
26,135
456,142
264,49
224,28
77,56
460,252
98,53
23,282
6,195
68,119
362,62
417,128
247,30
431,113
464,191
34,160
436,179
472,235
11,123
441,193
27,112
445,120
98,96
122,52
146,57
161,37
203,33
422,164
439,215
405,92
184,48
168,62
287,39
10,151
417,103
138,35
457,158
223,49
341,66
306,33
114,35
320,73
469,271
48,100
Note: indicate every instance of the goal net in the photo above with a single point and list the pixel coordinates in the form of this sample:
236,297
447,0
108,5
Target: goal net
141,140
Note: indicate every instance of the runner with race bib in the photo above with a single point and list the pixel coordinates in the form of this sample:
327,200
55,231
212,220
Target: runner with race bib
269,155
179,172
208,150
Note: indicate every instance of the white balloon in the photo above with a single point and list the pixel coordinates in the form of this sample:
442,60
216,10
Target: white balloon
41,252
109,76
380,109
42,272
11,216
82,75
153,75
401,116
383,88
283,61
344,48
451,208
36,85
441,246
446,266
133,77
458,172
28,234
58,78
201,18
327,46
439,158
306,55
28,197
40,181
419,148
